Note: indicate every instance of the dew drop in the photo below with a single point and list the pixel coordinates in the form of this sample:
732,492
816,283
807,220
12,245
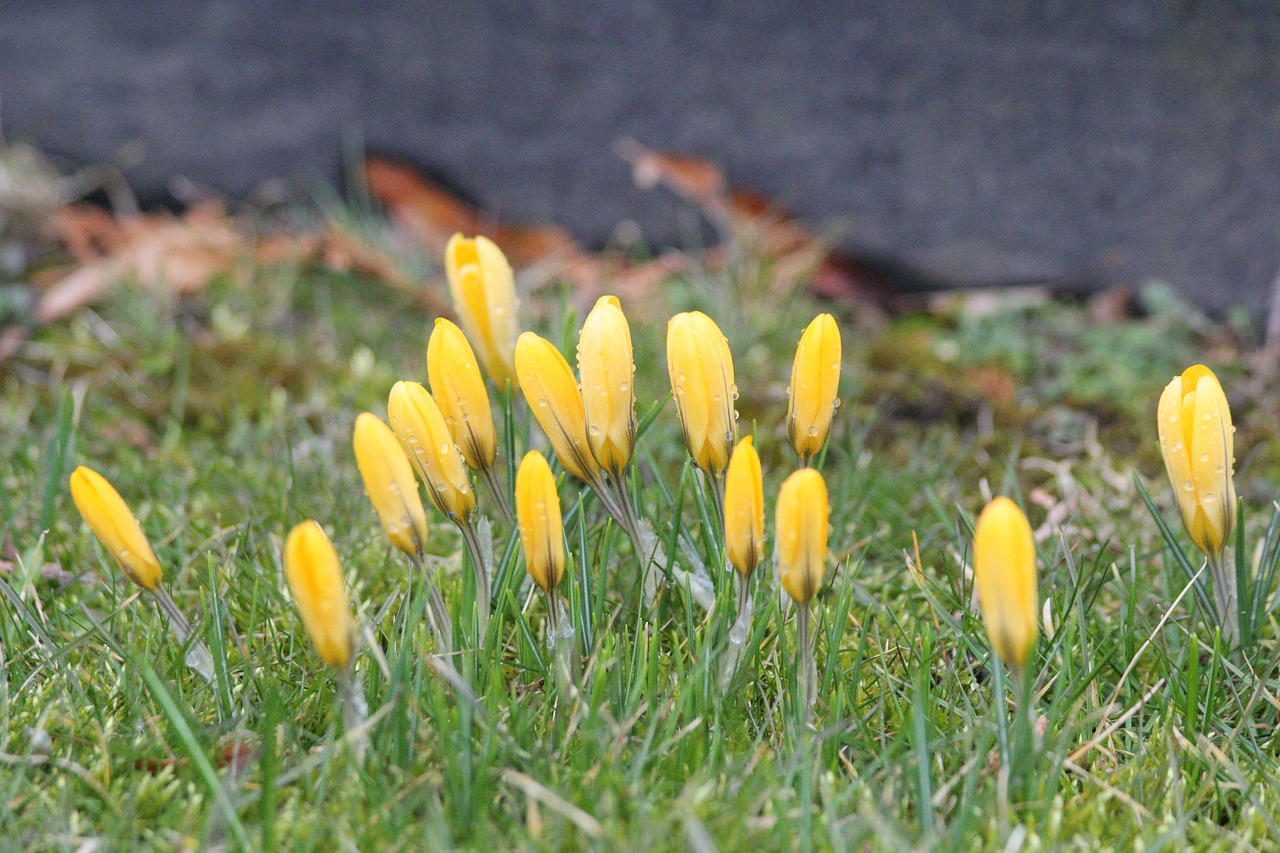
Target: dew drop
813,432
623,387
1188,485
594,430
1204,457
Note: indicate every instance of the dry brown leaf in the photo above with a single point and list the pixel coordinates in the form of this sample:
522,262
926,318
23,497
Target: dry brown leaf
418,205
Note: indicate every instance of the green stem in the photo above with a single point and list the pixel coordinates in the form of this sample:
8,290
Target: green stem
1224,598
807,671
479,564
196,654
437,612
499,494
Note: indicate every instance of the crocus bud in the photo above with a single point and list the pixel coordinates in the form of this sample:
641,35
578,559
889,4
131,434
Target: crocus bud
815,380
425,437
109,518
1198,443
801,534
744,508
458,389
702,383
1004,569
607,372
552,394
484,295
315,579
538,518
389,480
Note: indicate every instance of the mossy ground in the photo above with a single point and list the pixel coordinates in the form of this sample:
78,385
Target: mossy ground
226,417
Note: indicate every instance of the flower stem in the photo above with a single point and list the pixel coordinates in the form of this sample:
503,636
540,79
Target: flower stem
807,671
437,612
494,483
197,655
1224,598
479,566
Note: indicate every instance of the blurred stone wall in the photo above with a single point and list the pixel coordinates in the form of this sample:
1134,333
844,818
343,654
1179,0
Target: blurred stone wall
1089,142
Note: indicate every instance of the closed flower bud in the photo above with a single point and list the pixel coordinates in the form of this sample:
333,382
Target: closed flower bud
1198,443
425,437
458,389
538,518
552,394
119,532
607,371
744,508
801,534
315,579
701,371
1004,569
484,295
389,480
815,381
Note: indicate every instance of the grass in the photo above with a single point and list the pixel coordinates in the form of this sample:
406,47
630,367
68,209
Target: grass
226,418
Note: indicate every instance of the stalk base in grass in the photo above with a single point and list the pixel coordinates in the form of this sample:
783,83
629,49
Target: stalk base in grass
738,636
696,583
197,655
355,710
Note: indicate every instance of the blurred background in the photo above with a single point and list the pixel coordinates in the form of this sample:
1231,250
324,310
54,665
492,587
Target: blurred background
1088,145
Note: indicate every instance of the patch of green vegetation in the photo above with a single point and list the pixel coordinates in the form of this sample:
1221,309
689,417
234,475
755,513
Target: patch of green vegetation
226,418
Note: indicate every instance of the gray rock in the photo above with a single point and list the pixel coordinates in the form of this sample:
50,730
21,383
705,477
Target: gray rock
1090,143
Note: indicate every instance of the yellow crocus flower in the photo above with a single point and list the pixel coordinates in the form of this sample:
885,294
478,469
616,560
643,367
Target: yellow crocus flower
801,534
109,518
1004,569
549,387
425,437
389,480
607,371
539,521
484,295
744,508
815,381
1198,444
701,369
315,579
458,389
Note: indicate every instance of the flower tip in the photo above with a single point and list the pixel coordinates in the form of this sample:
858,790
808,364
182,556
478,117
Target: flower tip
114,525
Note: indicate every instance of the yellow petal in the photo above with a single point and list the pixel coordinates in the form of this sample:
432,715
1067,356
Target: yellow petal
815,383
1004,566
115,526
701,371
389,480
744,508
425,437
538,518
315,579
484,295
801,534
608,372
458,389
552,394
1198,445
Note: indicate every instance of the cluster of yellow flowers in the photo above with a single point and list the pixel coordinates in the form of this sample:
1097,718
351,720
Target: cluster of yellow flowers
446,432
